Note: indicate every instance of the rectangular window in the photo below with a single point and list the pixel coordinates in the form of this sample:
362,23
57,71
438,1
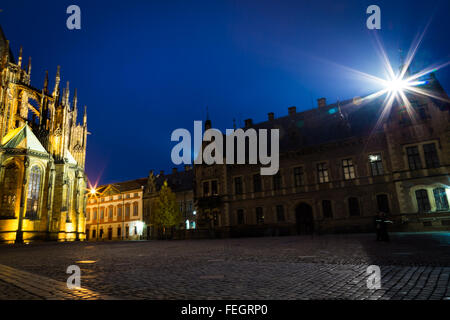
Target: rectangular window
280,214
214,189
376,164
127,211
327,209
110,213
119,212
383,203
353,207
322,171
349,169
298,176
102,213
440,196
413,158
238,185
257,184
277,181
431,156
259,216
240,217
206,188
135,209
423,203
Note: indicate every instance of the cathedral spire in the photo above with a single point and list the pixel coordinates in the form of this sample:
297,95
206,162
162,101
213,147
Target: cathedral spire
29,67
67,94
20,57
85,117
46,82
57,80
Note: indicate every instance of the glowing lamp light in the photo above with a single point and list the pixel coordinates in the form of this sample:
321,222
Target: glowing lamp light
396,85
93,191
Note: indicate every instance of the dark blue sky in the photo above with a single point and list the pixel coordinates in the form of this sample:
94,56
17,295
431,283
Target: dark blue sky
146,68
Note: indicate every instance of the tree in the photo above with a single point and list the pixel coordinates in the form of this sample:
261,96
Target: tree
166,213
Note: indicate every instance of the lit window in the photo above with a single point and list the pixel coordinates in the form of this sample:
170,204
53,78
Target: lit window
440,197
376,164
349,169
34,187
322,171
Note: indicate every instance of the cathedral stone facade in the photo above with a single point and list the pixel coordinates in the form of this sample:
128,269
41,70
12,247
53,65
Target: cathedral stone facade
42,157
340,164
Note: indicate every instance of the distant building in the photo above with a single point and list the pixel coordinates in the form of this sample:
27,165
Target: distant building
42,157
115,212
122,211
182,184
337,170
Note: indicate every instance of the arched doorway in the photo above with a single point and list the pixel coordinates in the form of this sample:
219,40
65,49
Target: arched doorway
304,219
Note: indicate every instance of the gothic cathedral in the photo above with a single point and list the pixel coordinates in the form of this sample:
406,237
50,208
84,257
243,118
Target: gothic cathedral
42,157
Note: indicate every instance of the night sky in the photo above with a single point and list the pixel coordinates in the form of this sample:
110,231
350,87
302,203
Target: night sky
146,68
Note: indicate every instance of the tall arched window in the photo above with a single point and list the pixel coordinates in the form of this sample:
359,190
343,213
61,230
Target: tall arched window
34,189
9,190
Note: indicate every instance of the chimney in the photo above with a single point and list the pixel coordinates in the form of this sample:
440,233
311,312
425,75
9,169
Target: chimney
174,170
248,123
322,102
292,111
271,116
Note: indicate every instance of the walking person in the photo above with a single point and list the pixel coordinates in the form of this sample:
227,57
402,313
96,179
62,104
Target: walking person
378,222
384,227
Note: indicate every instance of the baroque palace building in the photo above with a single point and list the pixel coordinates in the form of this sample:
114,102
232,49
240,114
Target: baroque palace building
339,166
42,157
121,211
115,211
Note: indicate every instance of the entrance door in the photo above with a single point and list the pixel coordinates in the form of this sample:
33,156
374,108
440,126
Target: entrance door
304,219
110,235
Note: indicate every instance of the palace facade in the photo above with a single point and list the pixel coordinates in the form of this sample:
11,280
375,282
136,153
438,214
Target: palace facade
115,212
42,156
122,211
340,164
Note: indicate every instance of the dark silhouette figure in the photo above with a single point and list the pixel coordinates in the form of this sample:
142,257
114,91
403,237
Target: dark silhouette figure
381,225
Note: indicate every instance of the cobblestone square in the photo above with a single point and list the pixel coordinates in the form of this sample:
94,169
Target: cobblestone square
413,266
